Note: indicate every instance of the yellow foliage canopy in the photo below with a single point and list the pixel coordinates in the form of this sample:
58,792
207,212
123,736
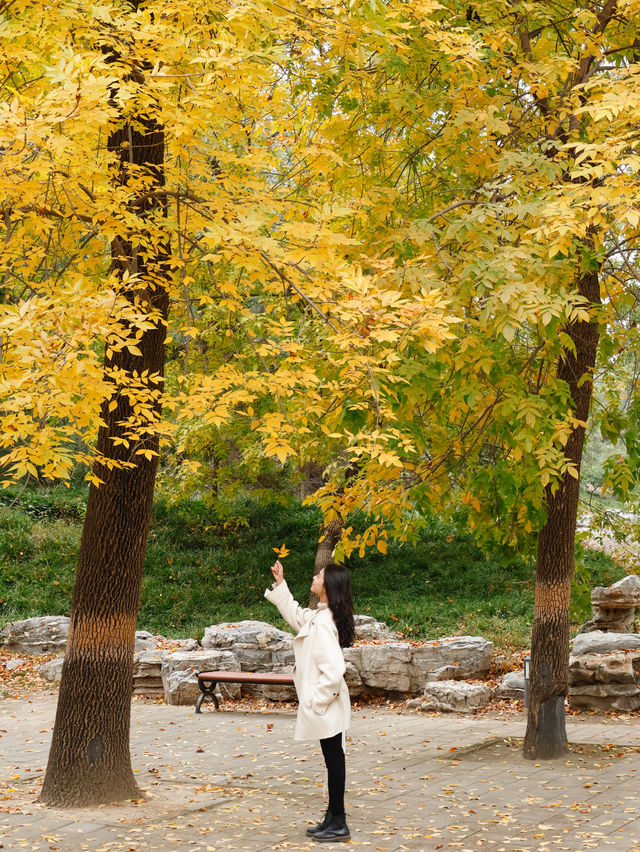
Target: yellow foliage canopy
377,213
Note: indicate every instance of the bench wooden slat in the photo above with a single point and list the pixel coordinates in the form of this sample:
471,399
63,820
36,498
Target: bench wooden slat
207,681
247,677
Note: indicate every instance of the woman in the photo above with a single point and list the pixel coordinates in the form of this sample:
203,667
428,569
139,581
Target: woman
324,709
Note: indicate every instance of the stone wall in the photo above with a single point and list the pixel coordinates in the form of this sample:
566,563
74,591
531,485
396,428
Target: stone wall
604,671
379,662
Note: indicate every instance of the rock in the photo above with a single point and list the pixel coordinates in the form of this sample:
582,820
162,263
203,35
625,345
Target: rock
605,681
260,647
624,593
614,606
602,690
385,667
451,658
41,635
180,669
148,686
406,667
181,687
598,642
353,656
364,620
622,703
511,686
280,692
15,663
617,667
145,640
184,644
353,679
149,663
384,664
353,660
453,696
368,628
147,671
246,634
52,670
47,634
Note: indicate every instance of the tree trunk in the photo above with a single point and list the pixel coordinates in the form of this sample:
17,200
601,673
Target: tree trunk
330,538
546,736
89,762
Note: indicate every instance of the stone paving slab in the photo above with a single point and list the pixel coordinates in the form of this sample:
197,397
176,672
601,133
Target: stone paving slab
235,780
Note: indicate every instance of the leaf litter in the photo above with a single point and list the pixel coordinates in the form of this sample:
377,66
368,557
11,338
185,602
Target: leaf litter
408,787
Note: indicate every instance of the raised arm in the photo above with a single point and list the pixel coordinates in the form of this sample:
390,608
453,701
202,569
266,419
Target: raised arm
280,596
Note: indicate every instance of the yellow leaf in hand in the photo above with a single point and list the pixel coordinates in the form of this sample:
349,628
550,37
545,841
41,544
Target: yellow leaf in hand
282,551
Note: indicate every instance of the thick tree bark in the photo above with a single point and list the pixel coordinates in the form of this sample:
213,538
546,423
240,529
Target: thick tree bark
330,538
546,736
89,762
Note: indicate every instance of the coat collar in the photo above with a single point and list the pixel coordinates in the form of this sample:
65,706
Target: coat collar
306,628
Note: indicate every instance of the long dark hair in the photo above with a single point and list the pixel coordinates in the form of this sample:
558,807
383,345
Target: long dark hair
337,586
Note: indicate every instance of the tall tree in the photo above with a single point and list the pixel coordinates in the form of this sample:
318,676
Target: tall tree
89,758
569,122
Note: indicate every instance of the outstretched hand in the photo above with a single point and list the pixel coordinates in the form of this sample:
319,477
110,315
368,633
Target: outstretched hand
278,572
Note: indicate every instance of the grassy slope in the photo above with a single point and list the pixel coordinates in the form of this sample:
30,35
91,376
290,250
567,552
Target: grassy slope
201,570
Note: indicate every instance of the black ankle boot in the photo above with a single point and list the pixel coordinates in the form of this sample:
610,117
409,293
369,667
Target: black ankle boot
321,825
335,829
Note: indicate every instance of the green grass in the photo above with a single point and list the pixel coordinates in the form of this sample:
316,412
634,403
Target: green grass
202,569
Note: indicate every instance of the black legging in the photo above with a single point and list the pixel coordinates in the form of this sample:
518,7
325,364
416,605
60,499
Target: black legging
334,759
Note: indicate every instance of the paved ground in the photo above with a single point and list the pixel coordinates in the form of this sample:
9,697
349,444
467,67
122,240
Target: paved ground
234,780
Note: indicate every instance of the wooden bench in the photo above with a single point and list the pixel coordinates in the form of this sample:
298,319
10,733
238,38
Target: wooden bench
207,681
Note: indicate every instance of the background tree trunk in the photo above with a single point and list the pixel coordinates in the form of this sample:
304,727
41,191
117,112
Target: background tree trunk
330,538
546,735
89,762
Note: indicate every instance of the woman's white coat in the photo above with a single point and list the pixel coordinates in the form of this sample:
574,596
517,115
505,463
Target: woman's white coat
324,708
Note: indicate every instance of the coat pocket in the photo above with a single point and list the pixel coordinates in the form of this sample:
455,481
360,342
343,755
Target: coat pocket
319,704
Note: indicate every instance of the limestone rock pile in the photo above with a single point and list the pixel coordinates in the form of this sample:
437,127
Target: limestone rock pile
52,670
368,628
614,607
180,674
452,696
40,635
604,671
379,661
259,647
408,667
147,671
511,686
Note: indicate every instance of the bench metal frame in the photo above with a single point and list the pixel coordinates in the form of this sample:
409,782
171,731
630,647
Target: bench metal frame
207,688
